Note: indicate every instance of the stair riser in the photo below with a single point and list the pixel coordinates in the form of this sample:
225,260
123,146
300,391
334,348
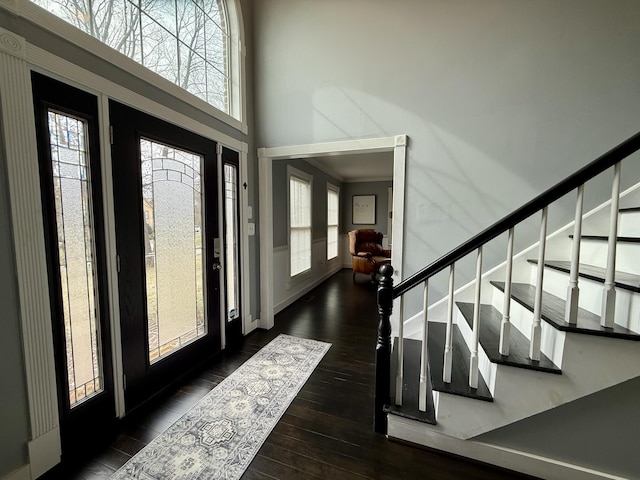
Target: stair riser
627,302
627,254
552,340
629,224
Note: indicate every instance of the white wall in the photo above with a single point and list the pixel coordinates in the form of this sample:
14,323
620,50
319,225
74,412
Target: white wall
500,99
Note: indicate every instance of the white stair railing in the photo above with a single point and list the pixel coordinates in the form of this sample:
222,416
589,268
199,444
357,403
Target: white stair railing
505,327
448,342
473,360
573,291
536,326
609,292
387,292
424,361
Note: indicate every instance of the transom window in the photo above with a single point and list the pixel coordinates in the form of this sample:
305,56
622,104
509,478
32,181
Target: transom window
299,221
185,41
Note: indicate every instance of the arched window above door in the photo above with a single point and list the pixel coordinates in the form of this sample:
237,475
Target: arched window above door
195,44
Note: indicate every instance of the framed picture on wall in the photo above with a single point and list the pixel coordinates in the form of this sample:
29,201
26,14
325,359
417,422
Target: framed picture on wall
363,210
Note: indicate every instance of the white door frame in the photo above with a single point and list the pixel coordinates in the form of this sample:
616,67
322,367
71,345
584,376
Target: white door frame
396,144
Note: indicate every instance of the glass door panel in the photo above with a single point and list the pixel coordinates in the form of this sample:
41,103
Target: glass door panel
231,222
232,246
173,220
76,252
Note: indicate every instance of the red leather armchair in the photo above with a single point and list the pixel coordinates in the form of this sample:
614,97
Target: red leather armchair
367,253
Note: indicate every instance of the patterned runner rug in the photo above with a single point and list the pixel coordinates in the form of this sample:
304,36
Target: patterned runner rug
220,435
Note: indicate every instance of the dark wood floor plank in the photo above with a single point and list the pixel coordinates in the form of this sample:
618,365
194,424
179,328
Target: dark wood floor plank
327,432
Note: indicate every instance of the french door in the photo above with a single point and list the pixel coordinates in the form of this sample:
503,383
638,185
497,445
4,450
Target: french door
169,249
69,159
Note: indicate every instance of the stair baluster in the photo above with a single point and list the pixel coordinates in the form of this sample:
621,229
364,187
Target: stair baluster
609,292
400,372
536,326
573,291
448,347
424,361
383,349
473,360
505,327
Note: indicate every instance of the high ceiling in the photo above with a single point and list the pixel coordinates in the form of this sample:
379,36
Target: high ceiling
357,167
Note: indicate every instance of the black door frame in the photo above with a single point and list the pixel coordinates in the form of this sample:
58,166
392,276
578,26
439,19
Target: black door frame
99,410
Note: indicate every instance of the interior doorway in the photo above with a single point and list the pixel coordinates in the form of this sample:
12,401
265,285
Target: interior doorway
266,156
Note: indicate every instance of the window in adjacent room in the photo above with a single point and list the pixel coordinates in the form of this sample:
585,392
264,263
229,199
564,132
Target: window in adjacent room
299,221
333,209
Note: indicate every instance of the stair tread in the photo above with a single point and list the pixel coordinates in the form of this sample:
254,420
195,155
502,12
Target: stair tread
605,238
553,309
490,323
627,281
459,366
411,387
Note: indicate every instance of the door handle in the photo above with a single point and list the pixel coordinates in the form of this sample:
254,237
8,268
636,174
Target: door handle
216,266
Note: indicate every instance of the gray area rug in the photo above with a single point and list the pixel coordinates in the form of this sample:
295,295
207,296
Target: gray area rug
220,435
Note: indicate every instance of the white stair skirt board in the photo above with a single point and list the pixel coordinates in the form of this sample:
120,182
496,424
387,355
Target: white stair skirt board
524,462
220,435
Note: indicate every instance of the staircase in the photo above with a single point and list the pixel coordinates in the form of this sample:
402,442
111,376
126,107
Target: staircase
555,322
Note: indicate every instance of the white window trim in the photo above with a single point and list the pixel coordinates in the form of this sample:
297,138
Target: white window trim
237,84
307,177
336,189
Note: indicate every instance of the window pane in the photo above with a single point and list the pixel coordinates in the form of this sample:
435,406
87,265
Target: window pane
187,42
160,49
173,247
300,224
117,23
76,13
74,222
231,240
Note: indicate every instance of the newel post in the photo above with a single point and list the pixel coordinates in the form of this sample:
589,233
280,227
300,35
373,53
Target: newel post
383,349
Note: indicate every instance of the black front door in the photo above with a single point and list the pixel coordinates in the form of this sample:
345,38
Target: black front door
166,212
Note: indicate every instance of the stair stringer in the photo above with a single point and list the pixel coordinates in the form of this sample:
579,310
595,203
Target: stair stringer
588,367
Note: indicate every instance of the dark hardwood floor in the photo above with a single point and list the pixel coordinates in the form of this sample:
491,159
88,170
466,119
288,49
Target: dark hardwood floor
327,431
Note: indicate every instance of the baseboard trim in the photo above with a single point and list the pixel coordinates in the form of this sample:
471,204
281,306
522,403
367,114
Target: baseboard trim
531,464
44,452
21,473
289,300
